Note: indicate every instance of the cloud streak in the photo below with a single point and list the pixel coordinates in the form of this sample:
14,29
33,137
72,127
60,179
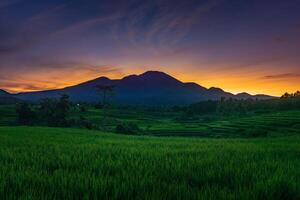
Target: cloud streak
282,76
85,25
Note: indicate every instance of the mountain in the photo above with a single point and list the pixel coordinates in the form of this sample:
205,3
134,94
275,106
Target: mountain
7,98
245,95
149,88
3,93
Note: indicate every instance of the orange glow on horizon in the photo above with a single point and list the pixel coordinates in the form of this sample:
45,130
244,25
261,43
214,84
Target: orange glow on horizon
229,83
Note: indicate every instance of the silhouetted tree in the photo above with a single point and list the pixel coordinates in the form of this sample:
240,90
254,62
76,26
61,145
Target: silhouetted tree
47,109
107,92
297,94
54,112
62,109
26,115
128,128
286,95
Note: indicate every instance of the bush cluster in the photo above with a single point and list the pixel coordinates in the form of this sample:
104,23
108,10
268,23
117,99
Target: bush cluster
128,128
50,112
243,106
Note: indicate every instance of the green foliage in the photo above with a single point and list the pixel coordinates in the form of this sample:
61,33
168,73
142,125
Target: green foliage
8,115
292,95
256,132
232,106
26,115
56,163
82,108
107,93
54,112
169,123
84,122
63,107
128,128
47,111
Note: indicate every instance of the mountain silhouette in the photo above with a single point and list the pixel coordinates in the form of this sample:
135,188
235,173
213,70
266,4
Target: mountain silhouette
7,98
3,92
149,88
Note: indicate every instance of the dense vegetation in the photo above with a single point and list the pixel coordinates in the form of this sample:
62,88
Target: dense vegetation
242,106
153,122
224,118
51,163
258,160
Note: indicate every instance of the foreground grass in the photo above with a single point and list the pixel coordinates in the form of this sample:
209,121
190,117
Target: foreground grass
51,163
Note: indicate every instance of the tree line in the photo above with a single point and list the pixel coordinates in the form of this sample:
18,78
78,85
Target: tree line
54,112
243,106
57,112
49,112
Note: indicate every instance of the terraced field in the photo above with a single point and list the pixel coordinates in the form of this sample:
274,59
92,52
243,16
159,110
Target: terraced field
167,123
7,115
279,123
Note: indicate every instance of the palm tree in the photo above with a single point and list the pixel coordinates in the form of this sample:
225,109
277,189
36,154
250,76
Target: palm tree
107,93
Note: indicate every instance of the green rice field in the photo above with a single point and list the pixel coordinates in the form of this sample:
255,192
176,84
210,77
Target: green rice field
254,156
62,163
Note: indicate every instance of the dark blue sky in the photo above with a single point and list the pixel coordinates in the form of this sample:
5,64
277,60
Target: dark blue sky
239,45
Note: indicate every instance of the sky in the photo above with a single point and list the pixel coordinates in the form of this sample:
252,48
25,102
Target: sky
238,45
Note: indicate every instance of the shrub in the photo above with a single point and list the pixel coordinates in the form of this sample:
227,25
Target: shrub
26,115
99,106
82,108
85,123
256,132
128,128
54,112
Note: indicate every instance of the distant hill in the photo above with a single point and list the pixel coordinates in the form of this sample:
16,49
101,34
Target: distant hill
7,98
149,88
3,92
245,95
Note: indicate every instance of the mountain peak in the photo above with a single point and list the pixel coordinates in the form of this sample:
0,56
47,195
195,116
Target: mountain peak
157,76
215,89
101,80
3,92
154,73
243,93
129,77
152,78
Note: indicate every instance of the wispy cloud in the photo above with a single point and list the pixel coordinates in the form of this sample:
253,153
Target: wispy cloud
282,76
22,86
84,25
155,26
81,67
53,76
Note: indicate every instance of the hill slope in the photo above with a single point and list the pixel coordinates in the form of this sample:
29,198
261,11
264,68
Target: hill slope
3,93
7,98
149,88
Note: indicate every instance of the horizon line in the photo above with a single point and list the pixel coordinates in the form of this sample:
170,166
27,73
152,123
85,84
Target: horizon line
134,74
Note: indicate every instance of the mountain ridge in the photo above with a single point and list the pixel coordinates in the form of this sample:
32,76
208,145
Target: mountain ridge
3,92
148,88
